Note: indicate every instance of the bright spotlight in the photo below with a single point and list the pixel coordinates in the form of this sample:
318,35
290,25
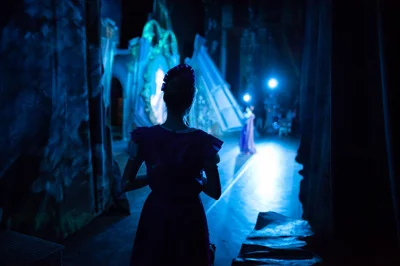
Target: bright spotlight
272,83
246,97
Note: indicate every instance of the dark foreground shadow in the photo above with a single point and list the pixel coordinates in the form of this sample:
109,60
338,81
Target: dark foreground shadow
240,162
20,249
96,226
277,240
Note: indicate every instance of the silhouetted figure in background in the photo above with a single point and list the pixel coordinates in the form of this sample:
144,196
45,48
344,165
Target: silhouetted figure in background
285,124
173,227
260,117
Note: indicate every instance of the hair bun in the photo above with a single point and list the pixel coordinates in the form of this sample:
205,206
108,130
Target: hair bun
183,74
179,88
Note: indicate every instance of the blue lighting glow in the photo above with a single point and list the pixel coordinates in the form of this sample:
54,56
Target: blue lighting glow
272,83
246,97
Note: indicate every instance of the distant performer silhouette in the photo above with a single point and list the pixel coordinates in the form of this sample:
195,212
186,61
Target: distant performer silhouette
246,143
173,226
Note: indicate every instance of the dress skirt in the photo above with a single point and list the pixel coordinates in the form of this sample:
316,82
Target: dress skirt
171,232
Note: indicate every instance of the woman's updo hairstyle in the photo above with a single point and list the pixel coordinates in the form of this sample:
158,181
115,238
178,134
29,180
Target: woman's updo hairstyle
179,89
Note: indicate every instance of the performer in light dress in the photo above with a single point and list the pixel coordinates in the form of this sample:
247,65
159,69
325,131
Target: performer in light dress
246,143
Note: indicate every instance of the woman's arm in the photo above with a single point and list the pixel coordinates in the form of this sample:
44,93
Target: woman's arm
130,172
132,167
212,186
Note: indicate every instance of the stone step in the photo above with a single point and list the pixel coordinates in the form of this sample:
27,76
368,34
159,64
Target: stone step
277,240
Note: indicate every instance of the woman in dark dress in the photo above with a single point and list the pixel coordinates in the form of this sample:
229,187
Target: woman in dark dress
173,226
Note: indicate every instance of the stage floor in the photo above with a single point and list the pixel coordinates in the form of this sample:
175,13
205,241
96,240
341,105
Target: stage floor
267,181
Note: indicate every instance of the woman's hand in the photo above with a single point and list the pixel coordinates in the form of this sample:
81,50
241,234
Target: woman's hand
123,187
125,181
130,172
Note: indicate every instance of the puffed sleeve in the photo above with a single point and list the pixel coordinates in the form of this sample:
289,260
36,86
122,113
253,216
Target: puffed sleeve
137,135
137,139
132,150
211,146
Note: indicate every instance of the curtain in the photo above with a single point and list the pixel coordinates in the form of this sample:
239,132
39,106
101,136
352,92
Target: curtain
315,115
350,190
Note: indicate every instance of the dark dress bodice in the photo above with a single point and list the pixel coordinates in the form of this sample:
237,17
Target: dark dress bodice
173,226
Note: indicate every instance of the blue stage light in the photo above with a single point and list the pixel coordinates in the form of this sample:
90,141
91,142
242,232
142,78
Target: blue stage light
272,83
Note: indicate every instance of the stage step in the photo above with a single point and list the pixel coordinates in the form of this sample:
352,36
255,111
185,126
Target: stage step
18,249
277,240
